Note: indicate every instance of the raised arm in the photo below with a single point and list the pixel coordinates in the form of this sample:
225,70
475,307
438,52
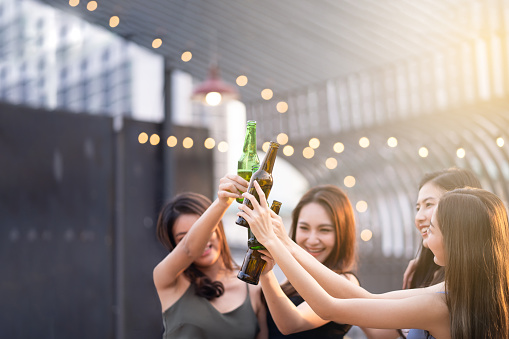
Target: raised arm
194,242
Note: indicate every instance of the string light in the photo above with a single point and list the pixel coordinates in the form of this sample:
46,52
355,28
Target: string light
314,143
267,94
366,235
186,56
222,146
282,107
172,141
364,142
74,3
265,146
392,142
187,142
339,147
154,139
308,153
349,181
142,138
242,80
157,43
331,163
288,150
282,138
114,21
209,143
92,6
460,153
423,152
361,206
500,142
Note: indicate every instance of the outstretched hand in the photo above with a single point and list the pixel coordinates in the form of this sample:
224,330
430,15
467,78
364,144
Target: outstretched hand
260,217
231,187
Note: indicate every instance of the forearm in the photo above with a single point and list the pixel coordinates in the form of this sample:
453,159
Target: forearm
286,315
303,282
334,284
199,234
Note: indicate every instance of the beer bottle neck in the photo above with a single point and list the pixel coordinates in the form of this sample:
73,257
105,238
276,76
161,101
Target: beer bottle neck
270,158
250,141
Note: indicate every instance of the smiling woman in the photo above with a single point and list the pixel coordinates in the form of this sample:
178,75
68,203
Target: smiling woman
197,283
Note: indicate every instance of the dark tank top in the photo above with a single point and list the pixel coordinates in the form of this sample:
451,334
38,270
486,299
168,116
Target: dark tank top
194,317
419,334
329,330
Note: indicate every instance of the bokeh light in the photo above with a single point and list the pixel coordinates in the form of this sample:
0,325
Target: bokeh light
222,146
187,142
349,181
361,206
308,152
154,139
314,143
157,43
364,142
392,142
282,138
242,80
366,235
331,163
267,94
209,143
460,153
186,56
142,138
339,147
423,152
172,141
500,142
288,150
282,107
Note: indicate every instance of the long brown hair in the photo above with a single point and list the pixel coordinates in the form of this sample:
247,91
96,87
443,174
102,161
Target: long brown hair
475,233
426,272
335,201
195,204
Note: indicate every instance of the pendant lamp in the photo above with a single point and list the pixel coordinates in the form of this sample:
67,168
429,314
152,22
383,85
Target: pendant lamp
214,91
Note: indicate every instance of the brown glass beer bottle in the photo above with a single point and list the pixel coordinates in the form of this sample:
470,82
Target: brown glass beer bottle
253,264
264,178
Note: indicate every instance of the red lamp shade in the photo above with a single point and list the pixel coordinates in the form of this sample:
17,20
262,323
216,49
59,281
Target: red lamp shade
213,90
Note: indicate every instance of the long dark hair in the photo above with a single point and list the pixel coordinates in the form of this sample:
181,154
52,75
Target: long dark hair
195,204
335,201
426,272
475,231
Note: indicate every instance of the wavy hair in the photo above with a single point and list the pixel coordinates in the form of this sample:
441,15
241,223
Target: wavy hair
195,204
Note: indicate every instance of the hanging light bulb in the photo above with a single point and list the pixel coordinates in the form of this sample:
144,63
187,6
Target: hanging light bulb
213,91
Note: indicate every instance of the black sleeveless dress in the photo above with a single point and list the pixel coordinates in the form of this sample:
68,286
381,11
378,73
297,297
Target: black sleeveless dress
329,330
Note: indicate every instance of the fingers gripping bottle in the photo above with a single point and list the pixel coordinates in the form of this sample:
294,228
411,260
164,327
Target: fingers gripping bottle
249,155
253,264
264,178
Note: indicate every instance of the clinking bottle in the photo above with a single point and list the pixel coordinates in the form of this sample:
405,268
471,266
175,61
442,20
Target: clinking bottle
249,155
264,178
253,264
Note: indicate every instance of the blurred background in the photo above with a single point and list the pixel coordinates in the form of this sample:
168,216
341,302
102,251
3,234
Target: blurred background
106,113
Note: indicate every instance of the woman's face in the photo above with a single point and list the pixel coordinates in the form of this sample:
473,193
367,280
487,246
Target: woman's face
427,201
315,231
436,241
212,251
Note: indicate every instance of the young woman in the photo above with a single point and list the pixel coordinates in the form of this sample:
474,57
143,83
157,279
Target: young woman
197,283
422,271
323,225
468,235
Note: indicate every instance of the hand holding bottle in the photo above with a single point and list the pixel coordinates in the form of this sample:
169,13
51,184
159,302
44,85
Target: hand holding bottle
260,216
231,187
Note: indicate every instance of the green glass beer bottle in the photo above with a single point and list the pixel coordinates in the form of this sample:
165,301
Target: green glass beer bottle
253,264
249,155
264,178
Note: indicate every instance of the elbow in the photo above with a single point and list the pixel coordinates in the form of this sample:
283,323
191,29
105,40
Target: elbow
324,311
